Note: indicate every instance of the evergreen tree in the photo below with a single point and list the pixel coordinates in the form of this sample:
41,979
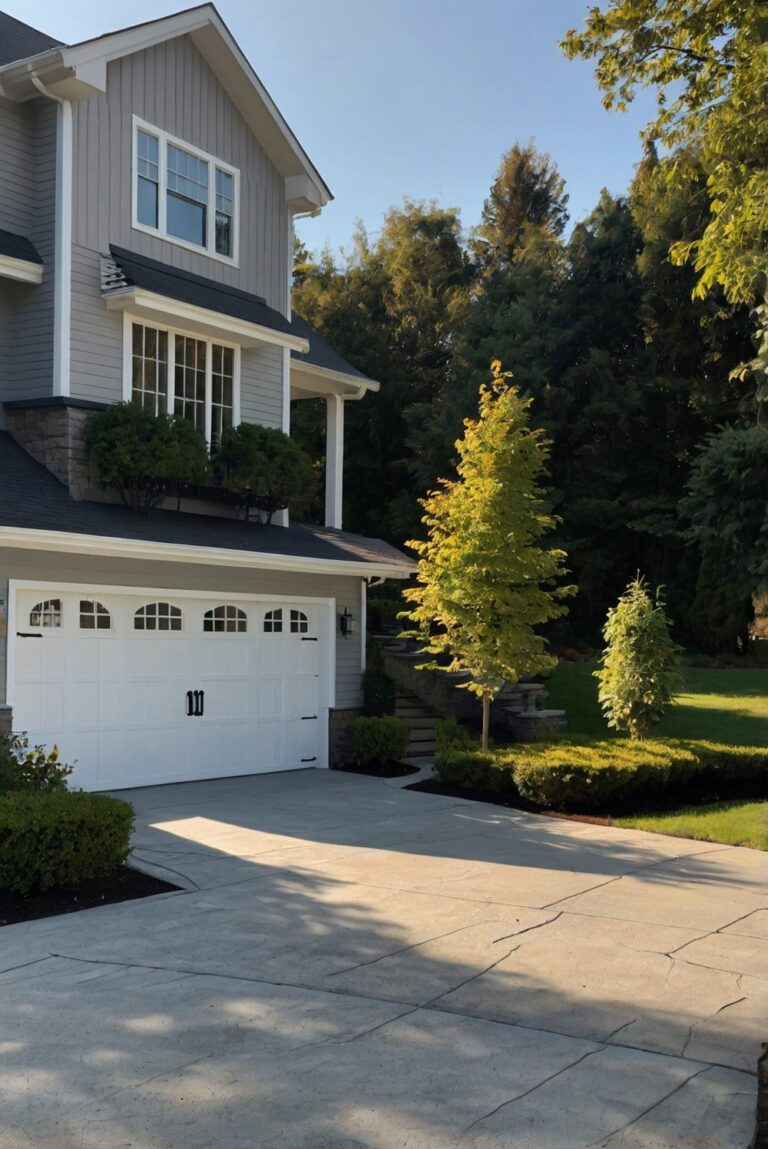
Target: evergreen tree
637,673
485,579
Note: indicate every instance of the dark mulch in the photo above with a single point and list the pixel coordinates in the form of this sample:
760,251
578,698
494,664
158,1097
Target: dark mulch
431,786
122,886
380,770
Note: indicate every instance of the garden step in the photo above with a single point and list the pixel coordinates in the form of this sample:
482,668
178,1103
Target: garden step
421,750
423,734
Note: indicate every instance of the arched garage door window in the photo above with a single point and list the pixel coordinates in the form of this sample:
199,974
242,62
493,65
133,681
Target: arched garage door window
158,616
225,620
46,613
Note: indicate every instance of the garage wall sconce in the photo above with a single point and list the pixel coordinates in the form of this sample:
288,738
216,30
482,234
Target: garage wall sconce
347,624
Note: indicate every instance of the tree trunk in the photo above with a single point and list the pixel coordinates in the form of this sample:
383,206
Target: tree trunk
760,1138
486,719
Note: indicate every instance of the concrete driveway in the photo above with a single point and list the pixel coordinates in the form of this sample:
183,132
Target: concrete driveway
352,966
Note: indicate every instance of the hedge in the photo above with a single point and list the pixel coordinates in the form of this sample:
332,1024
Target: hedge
609,776
380,739
60,837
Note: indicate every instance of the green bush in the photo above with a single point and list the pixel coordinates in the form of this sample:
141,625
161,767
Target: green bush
610,776
22,768
60,837
268,463
379,740
450,734
378,692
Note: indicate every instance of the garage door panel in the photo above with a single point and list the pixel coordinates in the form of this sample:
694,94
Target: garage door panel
117,701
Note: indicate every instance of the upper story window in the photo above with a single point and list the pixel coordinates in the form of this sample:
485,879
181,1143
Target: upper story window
184,195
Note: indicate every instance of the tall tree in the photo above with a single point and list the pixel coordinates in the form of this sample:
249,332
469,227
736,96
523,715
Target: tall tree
485,579
528,195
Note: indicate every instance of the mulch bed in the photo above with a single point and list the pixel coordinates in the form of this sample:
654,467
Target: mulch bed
380,770
432,786
122,886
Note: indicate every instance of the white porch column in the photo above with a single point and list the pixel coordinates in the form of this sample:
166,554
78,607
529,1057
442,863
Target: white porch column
334,459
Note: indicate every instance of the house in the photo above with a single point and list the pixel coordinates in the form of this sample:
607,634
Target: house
148,190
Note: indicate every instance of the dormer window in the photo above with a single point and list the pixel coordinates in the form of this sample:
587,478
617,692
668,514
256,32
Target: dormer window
184,195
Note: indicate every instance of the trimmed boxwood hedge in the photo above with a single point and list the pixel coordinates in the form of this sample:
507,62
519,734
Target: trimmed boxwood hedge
377,740
609,776
60,837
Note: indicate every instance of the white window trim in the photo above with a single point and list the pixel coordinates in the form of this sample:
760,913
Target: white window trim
128,321
161,231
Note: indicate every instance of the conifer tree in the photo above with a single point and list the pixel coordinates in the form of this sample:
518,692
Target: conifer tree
485,579
637,673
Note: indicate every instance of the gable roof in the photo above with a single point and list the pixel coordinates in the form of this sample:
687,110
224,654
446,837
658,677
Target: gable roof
77,71
321,354
33,500
18,40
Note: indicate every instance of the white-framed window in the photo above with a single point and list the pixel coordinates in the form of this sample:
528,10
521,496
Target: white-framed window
183,194
299,622
174,372
273,621
94,616
158,616
46,613
225,620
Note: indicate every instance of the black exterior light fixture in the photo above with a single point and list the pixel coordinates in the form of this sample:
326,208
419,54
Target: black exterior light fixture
347,624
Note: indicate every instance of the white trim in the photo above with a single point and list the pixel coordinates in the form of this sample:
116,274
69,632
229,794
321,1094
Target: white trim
113,547
333,638
202,323
326,373
363,623
334,460
213,162
24,270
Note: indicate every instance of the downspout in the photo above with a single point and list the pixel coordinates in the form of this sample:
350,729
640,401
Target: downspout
62,280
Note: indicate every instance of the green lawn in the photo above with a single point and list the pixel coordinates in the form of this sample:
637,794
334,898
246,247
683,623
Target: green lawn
734,823
719,705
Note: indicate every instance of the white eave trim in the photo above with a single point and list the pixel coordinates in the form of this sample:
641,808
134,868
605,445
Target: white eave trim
326,375
149,305
111,547
24,270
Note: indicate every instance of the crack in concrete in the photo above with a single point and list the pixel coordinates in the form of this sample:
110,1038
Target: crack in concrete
703,1020
168,869
404,949
25,964
613,1032
528,1092
473,977
628,1124
373,1029
528,929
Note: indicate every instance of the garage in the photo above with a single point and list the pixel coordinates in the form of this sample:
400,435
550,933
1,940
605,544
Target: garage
143,686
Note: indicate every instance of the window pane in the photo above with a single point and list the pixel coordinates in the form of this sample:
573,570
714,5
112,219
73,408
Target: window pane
185,219
189,381
222,385
223,234
149,368
146,202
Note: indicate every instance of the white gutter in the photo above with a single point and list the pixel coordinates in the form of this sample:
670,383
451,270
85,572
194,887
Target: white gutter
23,538
62,271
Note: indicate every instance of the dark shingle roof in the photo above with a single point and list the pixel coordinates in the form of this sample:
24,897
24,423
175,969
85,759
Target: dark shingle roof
139,271
321,354
18,41
18,247
31,498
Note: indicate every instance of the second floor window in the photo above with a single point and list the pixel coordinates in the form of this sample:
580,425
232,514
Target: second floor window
183,194
204,378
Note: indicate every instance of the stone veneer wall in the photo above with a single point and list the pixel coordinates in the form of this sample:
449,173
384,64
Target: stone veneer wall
55,435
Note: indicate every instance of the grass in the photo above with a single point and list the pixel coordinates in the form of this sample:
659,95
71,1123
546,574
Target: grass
733,823
719,705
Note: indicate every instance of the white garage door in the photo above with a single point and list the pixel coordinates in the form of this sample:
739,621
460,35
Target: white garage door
150,688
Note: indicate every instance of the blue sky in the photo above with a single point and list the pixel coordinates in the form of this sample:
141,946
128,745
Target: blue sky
416,98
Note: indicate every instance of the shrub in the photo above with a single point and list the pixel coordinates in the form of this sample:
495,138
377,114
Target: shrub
268,463
618,774
380,739
60,837
22,768
378,687
449,733
144,456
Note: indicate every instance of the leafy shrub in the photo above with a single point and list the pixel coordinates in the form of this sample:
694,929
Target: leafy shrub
144,456
449,733
269,463
378,740
60,837
618,774
378,687
35,769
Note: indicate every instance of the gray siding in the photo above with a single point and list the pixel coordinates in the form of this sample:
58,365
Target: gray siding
172,87
38,565
29,309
